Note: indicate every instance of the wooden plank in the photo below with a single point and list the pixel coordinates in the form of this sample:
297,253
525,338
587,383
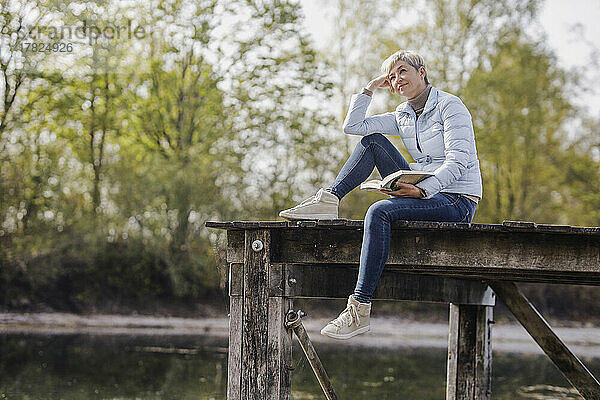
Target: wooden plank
579,278
236,279
567,362
469,353
333,222
502,251
338,281
506,226
235,246
247,224
483,354
519,225
234,362
266,344
452,364
279,364
276,280
255,317
575,278
219,224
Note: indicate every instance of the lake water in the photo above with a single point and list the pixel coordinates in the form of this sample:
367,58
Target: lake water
88,366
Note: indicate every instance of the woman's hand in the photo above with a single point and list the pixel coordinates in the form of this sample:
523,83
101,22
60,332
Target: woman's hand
405,190
381,81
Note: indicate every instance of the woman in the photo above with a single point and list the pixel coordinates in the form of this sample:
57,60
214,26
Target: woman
437,131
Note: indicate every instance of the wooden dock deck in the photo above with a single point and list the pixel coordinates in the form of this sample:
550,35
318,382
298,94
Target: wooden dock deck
463,265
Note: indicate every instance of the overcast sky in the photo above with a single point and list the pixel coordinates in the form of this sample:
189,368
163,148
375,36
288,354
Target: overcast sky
558,17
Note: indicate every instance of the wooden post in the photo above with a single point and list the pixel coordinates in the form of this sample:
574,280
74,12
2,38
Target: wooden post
260,348
234,360
317,259
469,353
567,362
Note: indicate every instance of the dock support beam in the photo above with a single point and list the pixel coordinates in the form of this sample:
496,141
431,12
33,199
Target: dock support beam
260,348
566,361
272,262
469,353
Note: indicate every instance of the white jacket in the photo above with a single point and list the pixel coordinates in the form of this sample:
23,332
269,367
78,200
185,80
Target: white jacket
440,141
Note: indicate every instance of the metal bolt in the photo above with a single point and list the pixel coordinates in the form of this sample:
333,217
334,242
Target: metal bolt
257,245
292,281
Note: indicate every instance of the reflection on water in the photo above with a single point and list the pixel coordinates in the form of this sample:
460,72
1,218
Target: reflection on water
195,367
112,367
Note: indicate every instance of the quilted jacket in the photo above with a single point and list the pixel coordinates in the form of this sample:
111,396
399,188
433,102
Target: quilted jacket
441,140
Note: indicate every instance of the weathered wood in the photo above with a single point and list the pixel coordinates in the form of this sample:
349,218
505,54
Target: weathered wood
276,280
521,253
338,281
279,366
567,362
312,356
236,279
469,353
234,363
320,259
483,353
506,226
235,246
574,278
518,255
255,320
266,345
260,349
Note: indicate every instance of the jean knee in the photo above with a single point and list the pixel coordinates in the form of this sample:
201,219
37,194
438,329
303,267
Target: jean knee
373,138
376,213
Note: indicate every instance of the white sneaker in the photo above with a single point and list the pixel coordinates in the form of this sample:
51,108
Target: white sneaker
354,320
323,205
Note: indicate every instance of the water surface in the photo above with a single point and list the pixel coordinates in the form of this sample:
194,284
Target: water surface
88,366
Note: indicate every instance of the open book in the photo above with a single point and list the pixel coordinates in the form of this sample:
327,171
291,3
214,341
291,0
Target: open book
389,182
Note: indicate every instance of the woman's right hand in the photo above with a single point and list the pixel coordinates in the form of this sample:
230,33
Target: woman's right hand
381,81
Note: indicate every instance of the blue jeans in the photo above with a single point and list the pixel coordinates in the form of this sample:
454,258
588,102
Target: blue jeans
377,151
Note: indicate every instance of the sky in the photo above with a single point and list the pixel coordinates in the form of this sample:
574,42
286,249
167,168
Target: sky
557,17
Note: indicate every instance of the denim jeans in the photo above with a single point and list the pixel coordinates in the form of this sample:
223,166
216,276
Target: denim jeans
377,151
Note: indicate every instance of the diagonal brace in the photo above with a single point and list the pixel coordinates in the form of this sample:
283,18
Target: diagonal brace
567,362
294,322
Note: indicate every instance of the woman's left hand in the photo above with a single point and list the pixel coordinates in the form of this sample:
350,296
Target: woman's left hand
405,190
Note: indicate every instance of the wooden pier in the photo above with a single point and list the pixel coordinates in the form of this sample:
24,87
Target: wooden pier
463,265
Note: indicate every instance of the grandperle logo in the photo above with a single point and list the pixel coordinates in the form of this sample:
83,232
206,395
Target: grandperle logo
83,31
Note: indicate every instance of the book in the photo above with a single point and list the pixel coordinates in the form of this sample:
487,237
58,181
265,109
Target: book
389,183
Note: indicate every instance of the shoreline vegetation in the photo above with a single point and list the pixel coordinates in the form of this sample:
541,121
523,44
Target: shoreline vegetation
113,159
582,315
386,332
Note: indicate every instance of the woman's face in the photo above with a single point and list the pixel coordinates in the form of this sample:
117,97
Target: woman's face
406,80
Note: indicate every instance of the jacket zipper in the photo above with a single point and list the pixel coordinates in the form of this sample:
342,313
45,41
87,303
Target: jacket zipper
417,133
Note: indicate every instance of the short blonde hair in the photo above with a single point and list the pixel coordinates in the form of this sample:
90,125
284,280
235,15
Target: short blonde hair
410,57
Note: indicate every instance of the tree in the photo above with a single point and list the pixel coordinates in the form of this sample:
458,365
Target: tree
581,164
277,89
519,106
179,126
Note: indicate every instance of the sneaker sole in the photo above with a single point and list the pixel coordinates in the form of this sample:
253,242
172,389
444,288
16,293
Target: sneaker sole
308,216
347,335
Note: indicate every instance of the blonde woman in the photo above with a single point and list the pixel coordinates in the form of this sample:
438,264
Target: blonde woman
437,131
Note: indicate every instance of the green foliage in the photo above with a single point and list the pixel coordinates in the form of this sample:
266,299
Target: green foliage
277,90
536,165
519,109
111,161
116,160
539,152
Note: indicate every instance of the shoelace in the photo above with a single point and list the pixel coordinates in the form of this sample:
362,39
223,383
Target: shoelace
312,199
349,315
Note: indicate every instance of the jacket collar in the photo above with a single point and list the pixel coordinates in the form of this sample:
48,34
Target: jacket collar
430,104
